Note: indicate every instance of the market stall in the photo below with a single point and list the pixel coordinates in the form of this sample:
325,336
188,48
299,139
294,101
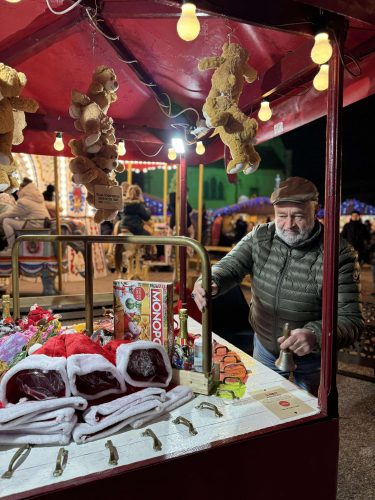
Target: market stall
156,70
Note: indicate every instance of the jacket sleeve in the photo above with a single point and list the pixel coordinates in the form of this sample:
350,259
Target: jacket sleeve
14,212
235,265
144,213
350,322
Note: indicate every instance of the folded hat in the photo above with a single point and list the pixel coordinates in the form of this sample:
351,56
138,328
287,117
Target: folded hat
295,189
92,372
39,376
144,364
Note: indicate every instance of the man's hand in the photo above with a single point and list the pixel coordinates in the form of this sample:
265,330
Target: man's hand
301,341
199,294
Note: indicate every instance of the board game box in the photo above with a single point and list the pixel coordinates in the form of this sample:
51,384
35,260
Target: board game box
143,310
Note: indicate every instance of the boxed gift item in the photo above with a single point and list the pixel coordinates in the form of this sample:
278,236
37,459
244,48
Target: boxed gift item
143,310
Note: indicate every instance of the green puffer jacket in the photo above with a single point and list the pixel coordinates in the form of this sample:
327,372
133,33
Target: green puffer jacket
287,284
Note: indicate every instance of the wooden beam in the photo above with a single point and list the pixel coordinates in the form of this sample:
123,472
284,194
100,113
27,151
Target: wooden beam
363,10
281,15
65,124
36,37
138,69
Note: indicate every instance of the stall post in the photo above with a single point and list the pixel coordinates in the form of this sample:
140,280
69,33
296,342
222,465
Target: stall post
183,228
130,173
177,217
58,223
165,192
327,389
200,202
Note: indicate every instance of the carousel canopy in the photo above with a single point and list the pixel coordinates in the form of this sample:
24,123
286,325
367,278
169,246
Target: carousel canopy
161,90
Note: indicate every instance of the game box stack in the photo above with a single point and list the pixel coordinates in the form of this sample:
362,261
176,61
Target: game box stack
143,310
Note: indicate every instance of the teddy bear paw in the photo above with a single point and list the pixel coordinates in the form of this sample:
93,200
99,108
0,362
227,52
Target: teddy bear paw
92,139
234,168
5,159
250,169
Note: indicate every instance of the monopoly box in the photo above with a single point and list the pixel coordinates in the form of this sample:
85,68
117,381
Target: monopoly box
143,310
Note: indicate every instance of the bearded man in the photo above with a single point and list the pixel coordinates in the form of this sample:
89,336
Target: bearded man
285,261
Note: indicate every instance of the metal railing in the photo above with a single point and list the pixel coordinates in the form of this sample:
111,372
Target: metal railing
88,241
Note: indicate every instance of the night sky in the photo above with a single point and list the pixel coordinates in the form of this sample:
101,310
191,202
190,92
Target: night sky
308,145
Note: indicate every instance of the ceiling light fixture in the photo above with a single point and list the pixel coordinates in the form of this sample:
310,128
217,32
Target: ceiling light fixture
265,112
188,26
121,149
199,148
322,49
59,143
320,81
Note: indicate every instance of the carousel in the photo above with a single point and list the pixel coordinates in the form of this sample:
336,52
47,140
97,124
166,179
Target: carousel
136,397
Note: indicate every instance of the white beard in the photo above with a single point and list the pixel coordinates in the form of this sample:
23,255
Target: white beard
292,238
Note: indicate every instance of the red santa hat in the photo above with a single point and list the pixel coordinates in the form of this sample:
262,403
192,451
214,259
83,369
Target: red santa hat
92,372
40,376
144,364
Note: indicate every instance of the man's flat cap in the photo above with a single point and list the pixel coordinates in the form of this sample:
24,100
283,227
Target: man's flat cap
295,189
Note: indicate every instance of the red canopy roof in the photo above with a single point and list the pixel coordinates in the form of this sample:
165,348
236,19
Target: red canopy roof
60,52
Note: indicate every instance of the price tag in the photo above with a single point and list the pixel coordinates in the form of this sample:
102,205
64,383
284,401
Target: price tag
108,197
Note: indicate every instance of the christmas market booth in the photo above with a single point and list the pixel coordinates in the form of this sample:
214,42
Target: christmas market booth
134,399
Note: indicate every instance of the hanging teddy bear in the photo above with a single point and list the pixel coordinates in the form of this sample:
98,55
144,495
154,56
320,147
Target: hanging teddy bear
11,105
90,110
221,110
96,156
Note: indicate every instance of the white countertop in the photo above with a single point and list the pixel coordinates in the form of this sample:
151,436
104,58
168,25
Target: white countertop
240,417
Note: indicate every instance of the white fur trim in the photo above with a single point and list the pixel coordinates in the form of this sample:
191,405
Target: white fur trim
36,362
82,364
122,359
35,410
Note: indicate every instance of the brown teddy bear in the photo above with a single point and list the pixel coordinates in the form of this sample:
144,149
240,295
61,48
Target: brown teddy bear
105,158
96,151
221,110
90,110
11,85
86,172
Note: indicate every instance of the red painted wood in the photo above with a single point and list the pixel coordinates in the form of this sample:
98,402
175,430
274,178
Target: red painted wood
285,464
328,391
37,37
358,9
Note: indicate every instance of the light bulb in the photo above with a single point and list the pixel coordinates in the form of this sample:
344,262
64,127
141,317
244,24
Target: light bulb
188,26
320,81
199,148
13,1
265,111
121,150
172,155
322,50
59,143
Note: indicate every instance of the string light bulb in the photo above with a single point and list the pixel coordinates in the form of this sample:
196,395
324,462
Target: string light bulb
322,49
121,150
13,1
199,148
320,81
172,155
265,112
188,26
59,143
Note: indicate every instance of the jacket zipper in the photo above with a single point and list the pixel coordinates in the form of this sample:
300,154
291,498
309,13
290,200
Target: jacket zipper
277,298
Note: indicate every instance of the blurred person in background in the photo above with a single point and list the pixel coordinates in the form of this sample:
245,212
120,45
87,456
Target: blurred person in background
357,234
29,212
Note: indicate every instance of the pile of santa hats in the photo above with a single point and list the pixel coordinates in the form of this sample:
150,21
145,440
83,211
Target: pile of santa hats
74,368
